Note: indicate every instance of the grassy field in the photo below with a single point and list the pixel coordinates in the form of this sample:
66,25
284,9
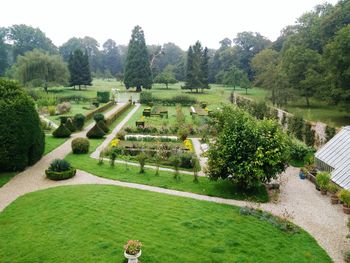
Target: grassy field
75,109
6,177
52,143
205,186
91,223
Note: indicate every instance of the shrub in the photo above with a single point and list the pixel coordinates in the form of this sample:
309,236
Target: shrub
63,107
309,135
187,160
330,132
298,150
103,96
80,145
347,257
103,126
22,139
183,133
91,113
76,98
70,125
133,247
99,117
95,132
121,135
116,114
145,97
141,158
61,132
60,170
79,121
51,110
344,196
332,188
322,180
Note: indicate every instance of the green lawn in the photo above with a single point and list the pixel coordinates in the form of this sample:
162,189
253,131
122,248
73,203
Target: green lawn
205,186
52,143
6,177
91,223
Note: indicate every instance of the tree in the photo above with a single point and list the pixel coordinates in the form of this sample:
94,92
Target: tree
137,66
197,68
167,76
232,77
22,140
79,69
247,151
3,52
111,57
38,68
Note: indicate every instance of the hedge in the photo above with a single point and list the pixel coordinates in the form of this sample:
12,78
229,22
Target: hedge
22,139
61,132
95,132
103,126
70,125
91,113
56,176
116,114
80,145
149,99
103,96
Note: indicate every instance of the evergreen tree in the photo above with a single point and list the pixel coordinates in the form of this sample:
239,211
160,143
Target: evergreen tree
197,70
137,66
79,68
87,79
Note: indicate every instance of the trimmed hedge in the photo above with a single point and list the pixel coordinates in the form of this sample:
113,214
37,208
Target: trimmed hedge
149,99
95,133
22,139
79,121
115,115
99,117
80,145
91,113
56,176
61,132
70,125
103,96
103,126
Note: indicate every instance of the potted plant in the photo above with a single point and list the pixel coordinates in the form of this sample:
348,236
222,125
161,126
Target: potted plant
302,173
322,180
344,196
333,189
132,251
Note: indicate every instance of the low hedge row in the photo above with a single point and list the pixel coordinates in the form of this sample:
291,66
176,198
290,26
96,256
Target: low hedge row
115,115
91,113
56,176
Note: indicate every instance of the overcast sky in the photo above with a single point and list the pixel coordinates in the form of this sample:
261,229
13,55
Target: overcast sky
179,21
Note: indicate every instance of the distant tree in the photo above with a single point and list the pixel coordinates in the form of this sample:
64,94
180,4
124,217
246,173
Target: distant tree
197,68
3,53
167,76
171,55
137,66
232,77
111,57
79,69
38,68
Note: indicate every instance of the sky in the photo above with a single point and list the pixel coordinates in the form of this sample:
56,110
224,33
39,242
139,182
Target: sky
182,22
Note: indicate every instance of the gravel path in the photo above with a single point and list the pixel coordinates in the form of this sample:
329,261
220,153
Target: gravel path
310,210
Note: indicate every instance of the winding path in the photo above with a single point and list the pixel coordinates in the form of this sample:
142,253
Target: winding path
310,210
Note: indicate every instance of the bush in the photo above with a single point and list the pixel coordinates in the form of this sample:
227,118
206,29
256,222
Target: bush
103,96
116,114
145,97
344,196
79,121
59,165
187,160
296,126
95,133
298,150
63,107
80,145
22,139
183,133
61,132
75,98
347,257
91,113
51,110
70,125
141,158
330,132
309,135
99,117
322,180
103,126
60,170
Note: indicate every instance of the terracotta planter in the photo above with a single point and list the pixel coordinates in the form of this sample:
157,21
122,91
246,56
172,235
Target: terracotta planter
334,200
346,209
323,192
132,258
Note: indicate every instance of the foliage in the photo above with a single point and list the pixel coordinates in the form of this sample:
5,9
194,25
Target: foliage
79,121
95,132
137,67
117,113
298,150
79,69
344,196
296,127
80,145
103,96
111,57
102,125
70,125
166,77
59,165
141,158
22,140
247,151
133,247
330,132
99,117
91,113
63,107
146,97
61,132
309,135
332,188
322,180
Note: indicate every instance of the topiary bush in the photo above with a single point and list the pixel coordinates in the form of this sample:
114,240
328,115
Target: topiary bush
61,132
60,170
103,126
95,133
79,121
80,145
103,96
70,125
99,117
22,140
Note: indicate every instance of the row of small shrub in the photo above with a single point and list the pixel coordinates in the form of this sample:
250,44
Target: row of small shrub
75,98
116,114
69,125
146,97
91,113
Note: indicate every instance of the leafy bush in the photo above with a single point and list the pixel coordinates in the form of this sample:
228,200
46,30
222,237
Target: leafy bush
145,97
61,132
332,188
63,107
95,132
183,133
99,117
103,126
322,180
103,96
149,99
344,196
80,145
70,125
91,113
330,132
298,150
187,160
141,158
75,98
59,165
309,135
22,139
56,176
296,126
51,110
79,121
347,257
116,114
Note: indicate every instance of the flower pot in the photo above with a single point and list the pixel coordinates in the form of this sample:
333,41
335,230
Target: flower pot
301,175
346,209
323,192
132,258
334,200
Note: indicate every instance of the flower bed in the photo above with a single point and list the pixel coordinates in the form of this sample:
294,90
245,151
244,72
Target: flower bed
144,137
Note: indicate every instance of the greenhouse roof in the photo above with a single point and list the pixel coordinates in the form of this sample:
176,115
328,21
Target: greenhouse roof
336,153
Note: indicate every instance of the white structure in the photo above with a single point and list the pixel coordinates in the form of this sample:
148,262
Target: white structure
334,157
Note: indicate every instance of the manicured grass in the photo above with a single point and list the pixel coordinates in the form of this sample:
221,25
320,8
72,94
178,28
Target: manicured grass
6,177
52,143
205,186
91,223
